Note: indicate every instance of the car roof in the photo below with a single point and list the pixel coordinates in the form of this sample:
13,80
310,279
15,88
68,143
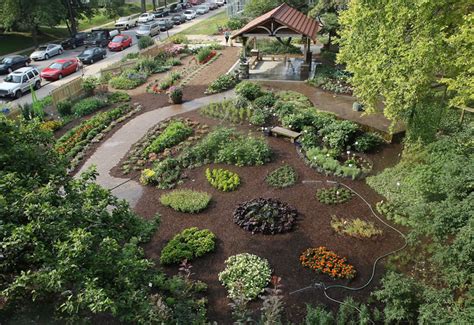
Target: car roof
23,70
62,60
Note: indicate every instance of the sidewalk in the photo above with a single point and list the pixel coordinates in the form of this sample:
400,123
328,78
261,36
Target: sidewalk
109,153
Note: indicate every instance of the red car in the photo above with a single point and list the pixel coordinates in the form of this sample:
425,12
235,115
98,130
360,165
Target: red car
60,68
119,42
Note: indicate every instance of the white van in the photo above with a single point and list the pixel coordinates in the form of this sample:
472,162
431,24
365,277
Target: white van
127,21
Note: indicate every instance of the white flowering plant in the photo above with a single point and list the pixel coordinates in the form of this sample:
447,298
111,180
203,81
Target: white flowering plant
245,275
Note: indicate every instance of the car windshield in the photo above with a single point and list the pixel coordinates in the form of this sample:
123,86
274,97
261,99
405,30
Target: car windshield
56,66
144,15
42,48
144,27
6,60
14,78
162,22
88,52
117,39
188,12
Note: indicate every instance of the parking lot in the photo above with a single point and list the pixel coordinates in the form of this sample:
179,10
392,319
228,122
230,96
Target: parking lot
94,69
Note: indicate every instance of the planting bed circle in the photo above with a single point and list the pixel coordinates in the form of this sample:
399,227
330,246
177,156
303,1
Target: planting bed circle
266,216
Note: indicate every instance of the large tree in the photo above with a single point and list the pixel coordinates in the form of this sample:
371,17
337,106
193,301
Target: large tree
255,8
398,52
327,13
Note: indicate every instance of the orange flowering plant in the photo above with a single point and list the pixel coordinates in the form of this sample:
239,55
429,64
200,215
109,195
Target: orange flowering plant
322,260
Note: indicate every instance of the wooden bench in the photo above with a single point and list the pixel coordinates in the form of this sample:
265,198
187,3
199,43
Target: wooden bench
277,130
253,62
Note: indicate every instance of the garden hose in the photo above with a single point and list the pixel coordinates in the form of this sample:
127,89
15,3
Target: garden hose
325,288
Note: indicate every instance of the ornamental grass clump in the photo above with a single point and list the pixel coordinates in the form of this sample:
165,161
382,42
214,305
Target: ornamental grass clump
245,275
282,177
266,216
188,245
357,228
223,179
187,201
322,260
333,195
176,132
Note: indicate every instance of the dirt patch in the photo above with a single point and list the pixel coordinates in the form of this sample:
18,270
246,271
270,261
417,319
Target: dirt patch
283,250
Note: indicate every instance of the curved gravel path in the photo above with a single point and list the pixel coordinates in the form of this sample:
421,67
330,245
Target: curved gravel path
110,152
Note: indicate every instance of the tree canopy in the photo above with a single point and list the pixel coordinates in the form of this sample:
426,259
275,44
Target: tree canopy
400,51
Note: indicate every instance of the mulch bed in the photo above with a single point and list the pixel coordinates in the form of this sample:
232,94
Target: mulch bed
282,251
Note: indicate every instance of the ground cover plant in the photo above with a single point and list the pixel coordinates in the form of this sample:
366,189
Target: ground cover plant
227,110
266,216
222,145
332,79
176,132
355,227
333,195
185,200
246,275
222,83
282,177
223,179
128,79
87,106
249,90
118,97
322,260
188,245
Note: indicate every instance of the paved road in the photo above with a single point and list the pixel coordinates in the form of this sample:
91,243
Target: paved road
94,69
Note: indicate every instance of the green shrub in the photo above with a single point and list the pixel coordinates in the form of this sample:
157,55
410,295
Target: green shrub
294,97
235,23
259,117
187,201
333,195
188,245
241,102
367,142
171,62
148,65
87,106
245,151
175,95
64,108
175,132
165,174
179,39
226,110
222,83
144,42
275,47
265,101
131,56
249,90
339,134
129,79
222,179
118,97
354,227
203,53
89,84
245,276
281,177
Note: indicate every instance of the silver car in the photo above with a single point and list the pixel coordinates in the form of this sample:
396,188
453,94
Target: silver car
44,52
19,82
148,29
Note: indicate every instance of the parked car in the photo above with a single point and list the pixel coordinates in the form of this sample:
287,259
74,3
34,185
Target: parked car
185,4
127,22
161,12
149,29
60,68
212,5
220,3
165,24
175,7
179,19
92,54
44,52
190,14
74,41
119,42
100,37
19,82
146,17
12,62
202,9
196,2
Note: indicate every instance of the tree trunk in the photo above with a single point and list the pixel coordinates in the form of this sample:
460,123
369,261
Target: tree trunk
34,34
143,5
72,18
154,5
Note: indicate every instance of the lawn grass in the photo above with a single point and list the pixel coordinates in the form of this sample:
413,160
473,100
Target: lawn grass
208,26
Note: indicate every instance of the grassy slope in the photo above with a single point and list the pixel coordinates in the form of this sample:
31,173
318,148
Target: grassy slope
207,26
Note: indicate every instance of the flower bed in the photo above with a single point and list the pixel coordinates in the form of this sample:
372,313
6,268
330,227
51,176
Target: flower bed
187,201
282,177
222,179
245,276
176,132
222,83
322,260
333,195
266,216
187,245
75,141
357,228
